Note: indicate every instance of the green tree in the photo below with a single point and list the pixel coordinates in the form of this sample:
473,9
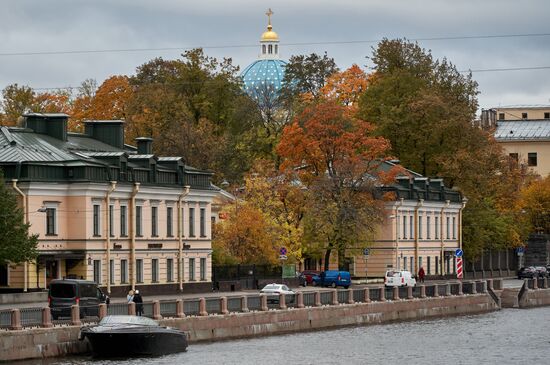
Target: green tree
16,100
16,245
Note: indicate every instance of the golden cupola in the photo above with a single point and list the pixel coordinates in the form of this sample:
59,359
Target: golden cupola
269,42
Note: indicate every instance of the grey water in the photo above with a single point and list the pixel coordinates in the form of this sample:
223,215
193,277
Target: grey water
509,336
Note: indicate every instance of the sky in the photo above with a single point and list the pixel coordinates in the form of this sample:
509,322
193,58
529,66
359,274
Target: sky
347,30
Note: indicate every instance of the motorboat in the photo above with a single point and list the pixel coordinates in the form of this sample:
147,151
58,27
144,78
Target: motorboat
128,336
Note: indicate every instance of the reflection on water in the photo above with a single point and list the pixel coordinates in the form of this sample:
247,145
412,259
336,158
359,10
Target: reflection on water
509,336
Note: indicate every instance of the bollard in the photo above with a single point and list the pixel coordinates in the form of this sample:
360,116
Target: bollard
545,283
334,297
15,319
436,290
460,291
131,309
46,318
263,301
367,295
448,290
484,286
382,293
244,304
223,305
410,292
395,293
202,307
300,300
474,287
156,310
75,315
535,283
318,298
350,296
179,309
282,301
526,284
102,311
422,291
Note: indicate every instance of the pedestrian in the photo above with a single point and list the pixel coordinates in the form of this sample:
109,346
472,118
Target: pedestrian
139,303
130,296
421,275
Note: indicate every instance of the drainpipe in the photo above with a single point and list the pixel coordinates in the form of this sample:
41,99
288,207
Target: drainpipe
25,204
108,233
133,235
180,235
418,206
442,243
396,215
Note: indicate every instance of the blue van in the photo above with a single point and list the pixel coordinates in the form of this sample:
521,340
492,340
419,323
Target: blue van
335,278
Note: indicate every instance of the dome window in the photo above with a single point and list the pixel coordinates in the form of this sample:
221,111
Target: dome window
263,49
276,49
270,49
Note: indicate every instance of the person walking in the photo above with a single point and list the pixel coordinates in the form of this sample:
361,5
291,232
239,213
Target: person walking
130,296
421,275
139,303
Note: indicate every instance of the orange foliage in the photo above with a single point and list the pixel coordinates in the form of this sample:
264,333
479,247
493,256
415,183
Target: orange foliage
346,87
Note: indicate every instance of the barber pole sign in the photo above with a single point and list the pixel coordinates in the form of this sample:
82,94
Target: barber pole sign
459,267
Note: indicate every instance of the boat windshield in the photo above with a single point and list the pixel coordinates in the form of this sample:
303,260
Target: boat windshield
132,320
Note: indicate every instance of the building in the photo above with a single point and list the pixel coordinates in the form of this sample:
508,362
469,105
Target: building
106,211
263,78
422,227
524,133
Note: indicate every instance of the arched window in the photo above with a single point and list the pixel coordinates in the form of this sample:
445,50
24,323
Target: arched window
276,49
263,49
270,49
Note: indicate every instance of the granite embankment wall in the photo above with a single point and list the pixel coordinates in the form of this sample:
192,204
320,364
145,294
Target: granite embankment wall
533,293
63,340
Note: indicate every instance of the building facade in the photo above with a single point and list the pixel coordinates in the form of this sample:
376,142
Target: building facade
106,211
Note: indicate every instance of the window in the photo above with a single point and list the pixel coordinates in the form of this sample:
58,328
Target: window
420,226
436,265
420,262
123,221
412,264
263,49
429,265
436,223
448,228
123,271
169,219
532,159
203,222
523,115
404,263
546,115
138,221
270,49
191,222
411,227
448,264
203,268
96,220
454,227
139,270
154,221
112,271
501,116
191,269
428,227
404,227
97,271
111,220
276,49
51,224
169,269
155,270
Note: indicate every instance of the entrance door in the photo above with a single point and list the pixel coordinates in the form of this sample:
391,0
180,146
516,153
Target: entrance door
52,271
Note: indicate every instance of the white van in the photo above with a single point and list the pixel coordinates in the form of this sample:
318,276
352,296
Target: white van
399,278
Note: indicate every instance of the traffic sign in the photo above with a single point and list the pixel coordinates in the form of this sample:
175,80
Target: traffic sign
366,251
282,257
520,250
282,251
459,252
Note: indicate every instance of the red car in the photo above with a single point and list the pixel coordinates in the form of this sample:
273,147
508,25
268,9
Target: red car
309,277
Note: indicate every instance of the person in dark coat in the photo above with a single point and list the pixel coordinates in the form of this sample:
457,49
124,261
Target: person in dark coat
421,275
139,303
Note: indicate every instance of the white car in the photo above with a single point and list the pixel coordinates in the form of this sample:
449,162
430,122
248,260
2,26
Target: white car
273,291
399,278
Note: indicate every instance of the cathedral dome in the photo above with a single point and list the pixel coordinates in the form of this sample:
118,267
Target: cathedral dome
269,35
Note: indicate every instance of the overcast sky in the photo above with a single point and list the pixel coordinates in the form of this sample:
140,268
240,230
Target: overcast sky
28,26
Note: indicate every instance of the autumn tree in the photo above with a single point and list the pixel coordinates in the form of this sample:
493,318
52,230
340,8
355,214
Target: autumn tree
16,100
334,156
346,87
535,204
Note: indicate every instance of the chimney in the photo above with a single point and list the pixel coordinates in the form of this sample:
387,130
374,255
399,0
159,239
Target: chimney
144,145
51,124
110,132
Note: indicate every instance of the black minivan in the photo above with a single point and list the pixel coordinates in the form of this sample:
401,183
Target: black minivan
63,293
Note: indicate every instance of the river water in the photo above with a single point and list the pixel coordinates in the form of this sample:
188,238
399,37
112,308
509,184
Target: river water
509,336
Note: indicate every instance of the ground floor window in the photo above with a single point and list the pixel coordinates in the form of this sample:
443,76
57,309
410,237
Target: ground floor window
112,271
437,265
429,264
420,263
155,270
97,271
123,271
169,270
412,264
203,269
405,263
192,269
139,270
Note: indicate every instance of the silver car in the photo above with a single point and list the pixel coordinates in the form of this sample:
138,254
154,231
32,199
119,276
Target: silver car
273,290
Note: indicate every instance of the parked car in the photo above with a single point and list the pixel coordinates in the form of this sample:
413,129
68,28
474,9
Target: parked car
528,272
62,294
399,278
334,278
541,271
273,291
309,277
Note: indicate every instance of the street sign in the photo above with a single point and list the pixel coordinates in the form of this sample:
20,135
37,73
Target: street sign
282,251
520,250
366,251
282,257
459,252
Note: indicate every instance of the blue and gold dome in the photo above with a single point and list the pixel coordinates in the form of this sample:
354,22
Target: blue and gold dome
263,78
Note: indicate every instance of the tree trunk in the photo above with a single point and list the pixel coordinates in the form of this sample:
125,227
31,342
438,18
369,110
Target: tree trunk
327,259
